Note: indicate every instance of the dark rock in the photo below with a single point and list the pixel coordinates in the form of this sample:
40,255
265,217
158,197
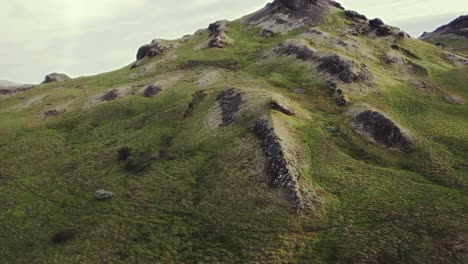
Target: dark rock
111,95
337,5
220,41
285,109
217,27
355,15
156,47
299,48
454,99
229,101
102,195
63,236
383,130
441,45
281,170
151,91
52,112
56,77
346,70
376,22
123,153
267,33
218,32
405,51
299,4
338,94
383,31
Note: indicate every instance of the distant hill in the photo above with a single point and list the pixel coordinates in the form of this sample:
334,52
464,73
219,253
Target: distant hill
452,37
5,83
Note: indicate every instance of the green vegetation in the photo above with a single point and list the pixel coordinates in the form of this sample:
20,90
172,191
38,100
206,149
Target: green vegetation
189,193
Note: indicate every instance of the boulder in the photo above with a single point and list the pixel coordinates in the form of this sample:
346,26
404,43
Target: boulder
345,70
355,15
111,95
103,195
383,31
156,47
376,22
297,47
337,94
219,36
151,91
56,77
382,130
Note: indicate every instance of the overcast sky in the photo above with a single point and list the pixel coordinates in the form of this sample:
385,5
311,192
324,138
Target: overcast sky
86,37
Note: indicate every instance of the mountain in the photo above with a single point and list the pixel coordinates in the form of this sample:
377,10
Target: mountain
302,133
5,83
453,36
9,88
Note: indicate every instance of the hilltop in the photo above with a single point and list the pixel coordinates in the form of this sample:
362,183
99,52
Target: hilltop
302,133
453,36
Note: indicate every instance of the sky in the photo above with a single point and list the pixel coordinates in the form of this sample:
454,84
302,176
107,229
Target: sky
87,37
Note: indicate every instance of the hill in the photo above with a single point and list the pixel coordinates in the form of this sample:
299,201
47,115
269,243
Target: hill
453,36
302,133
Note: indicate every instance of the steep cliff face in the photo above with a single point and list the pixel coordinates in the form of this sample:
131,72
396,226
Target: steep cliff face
302,133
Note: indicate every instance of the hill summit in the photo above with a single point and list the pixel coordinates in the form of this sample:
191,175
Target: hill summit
301,133
453,36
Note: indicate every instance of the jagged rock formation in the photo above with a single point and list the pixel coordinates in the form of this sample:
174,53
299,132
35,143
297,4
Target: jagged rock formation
282,107
297,47
229,102
345,70
219,35
281,166
282,16
382,130
56,77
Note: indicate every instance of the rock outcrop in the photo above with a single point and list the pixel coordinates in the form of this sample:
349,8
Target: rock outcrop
56,77
151,91
281,166
219,35
156,47
282,16
378,128
299,4
229,102
345,70
111,95
297,47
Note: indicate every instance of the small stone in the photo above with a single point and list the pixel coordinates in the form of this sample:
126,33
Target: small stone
102,195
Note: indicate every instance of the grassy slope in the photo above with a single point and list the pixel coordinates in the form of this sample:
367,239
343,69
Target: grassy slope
209,202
